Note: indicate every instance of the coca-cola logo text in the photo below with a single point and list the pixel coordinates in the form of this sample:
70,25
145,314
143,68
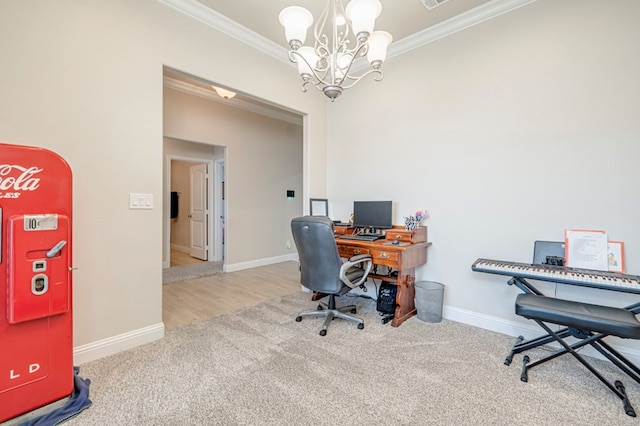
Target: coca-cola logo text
17,178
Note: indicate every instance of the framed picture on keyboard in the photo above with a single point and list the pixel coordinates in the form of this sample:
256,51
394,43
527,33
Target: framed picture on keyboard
586,249
615,252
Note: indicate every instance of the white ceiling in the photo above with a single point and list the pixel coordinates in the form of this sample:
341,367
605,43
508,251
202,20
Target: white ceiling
255,22
399,17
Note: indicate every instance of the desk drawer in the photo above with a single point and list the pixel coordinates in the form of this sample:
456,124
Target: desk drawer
384,256
418,235
351,251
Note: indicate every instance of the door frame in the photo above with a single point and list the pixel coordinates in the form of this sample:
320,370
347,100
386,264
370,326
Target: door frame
220,210
214,248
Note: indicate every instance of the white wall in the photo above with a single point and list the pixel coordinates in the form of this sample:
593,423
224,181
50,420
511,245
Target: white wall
84,79
264,159
508,132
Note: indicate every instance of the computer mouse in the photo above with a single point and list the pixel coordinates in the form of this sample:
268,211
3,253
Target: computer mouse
395,242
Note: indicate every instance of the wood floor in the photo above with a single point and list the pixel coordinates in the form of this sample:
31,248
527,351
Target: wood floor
181,258
185,302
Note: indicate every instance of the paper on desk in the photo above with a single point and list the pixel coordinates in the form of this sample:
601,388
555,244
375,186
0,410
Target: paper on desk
586,249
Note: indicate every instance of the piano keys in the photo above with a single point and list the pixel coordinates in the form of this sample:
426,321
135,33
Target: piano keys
561,274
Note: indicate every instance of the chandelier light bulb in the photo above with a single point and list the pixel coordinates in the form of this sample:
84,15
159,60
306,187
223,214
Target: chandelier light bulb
363,14
295,20
378,43
308,60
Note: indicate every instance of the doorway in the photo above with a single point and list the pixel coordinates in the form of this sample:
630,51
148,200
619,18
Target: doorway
192,228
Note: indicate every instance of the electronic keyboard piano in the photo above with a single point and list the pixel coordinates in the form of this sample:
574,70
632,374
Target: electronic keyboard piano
561,274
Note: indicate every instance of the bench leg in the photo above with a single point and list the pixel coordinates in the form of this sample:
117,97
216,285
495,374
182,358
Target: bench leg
513,351
618,359
523,375
589,340
618,389
522,345
625,401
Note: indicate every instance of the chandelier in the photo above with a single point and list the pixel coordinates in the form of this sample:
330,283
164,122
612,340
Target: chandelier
342,35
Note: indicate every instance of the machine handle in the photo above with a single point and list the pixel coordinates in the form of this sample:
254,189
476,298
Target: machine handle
56,249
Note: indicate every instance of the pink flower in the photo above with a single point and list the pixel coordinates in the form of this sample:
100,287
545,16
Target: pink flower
421,214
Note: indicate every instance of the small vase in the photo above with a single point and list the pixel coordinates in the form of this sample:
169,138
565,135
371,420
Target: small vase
410,223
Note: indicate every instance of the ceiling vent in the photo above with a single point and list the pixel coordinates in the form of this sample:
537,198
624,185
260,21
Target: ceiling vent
432,4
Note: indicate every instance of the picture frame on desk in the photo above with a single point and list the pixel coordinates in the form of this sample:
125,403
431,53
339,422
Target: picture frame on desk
318,207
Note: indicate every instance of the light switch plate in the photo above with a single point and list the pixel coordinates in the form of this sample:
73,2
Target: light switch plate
140,201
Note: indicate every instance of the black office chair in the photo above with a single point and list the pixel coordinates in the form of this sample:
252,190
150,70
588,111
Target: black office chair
323,271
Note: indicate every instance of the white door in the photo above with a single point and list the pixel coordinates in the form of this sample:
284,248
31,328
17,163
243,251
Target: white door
198,211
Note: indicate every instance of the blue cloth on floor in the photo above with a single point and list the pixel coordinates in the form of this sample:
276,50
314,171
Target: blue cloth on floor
79,401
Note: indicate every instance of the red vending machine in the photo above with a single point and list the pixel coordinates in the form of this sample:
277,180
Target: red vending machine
36,342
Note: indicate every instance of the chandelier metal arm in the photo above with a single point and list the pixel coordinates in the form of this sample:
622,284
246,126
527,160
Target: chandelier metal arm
294,56
321,81
360,50
379,77
333,9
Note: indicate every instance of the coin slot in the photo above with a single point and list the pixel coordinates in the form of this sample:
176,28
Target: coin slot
39,266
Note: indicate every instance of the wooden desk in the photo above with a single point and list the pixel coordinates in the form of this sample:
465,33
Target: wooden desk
402,258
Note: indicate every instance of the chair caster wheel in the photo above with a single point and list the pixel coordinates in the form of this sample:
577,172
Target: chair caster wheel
323,332
360,326
353,311
319,308
298,319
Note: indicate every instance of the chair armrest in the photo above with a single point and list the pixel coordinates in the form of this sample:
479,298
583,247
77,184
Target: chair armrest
355,264
359,257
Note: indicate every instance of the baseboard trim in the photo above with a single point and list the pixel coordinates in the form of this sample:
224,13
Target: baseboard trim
512,328
180,248
259,262
119,343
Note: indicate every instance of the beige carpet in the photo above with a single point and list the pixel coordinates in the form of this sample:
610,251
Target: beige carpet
191,271
260,367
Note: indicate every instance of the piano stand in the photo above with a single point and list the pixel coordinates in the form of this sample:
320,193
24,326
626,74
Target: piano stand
587,322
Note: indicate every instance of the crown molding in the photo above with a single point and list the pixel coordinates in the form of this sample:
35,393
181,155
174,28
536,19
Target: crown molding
210,17
482,13
460,22
233,102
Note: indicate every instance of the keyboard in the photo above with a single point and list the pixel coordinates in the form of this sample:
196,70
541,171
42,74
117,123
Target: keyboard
561,274
361,237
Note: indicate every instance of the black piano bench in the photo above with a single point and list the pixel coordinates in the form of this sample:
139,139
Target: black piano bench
586,322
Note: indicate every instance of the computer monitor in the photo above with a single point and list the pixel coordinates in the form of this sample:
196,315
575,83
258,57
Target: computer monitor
372,214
